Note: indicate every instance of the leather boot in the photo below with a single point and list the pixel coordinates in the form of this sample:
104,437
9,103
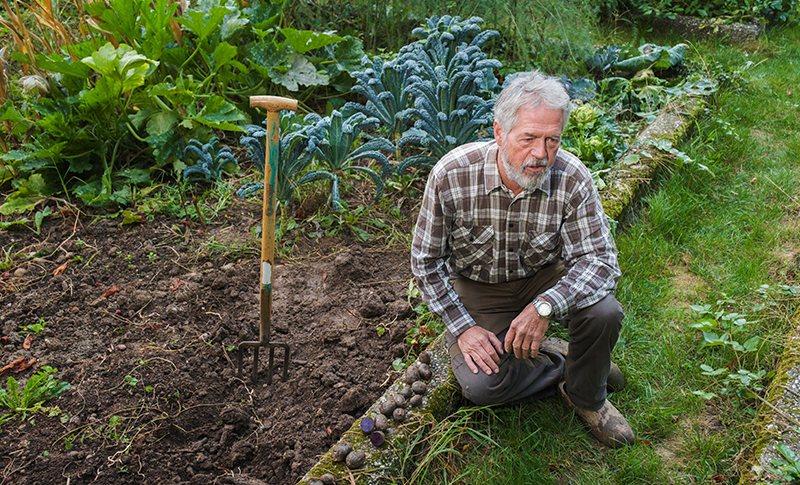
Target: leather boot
606,424
614,382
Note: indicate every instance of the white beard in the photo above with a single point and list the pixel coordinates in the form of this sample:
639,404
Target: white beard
518,175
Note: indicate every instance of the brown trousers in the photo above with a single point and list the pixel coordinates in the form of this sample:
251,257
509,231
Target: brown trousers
593,332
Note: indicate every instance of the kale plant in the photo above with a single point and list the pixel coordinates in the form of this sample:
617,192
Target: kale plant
448,114
330,142
444,37
386,87
211,161
294,156
449,107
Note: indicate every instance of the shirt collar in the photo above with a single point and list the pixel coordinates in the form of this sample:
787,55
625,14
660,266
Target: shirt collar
491,175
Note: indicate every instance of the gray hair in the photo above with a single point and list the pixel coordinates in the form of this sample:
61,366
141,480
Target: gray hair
528,91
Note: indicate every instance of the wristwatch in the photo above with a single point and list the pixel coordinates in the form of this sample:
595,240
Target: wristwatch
544,309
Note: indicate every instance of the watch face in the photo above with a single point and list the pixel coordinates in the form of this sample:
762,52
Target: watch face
544,308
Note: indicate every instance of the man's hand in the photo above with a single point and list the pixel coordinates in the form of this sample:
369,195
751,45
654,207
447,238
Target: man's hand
526,333
481,349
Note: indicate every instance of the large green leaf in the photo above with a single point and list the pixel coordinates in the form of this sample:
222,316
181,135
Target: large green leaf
158,33
161,122
106,90
303,41
225,54
28,194
203,24
123,65
122,17
182,92
231,24
302,72
221,114
264,15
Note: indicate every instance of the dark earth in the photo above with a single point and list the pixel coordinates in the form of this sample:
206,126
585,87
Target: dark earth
142,321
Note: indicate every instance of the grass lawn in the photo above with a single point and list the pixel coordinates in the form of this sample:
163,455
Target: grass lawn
727,241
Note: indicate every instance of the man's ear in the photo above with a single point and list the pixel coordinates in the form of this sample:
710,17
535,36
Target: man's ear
498,133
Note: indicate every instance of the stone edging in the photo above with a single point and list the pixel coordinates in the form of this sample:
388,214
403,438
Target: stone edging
624,185
733,33
778,420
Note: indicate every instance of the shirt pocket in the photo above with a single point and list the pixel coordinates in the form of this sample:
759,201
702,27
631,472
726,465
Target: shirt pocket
472,245
541,248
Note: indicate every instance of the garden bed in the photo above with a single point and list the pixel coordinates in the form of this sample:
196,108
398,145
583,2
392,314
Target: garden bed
141,322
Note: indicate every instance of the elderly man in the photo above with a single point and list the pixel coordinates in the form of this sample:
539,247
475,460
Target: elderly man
512,234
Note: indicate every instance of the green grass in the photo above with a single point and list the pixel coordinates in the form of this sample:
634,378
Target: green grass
698,239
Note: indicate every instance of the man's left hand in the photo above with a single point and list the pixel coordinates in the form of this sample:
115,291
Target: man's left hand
526,333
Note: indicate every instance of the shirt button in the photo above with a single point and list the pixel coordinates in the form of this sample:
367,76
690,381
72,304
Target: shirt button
511,226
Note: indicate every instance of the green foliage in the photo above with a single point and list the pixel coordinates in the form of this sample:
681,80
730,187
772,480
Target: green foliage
449,109
40,388
212,161
294,157
331,143
789,468
34,328
608,59
142,85
594,136
777,11
728,330
385,85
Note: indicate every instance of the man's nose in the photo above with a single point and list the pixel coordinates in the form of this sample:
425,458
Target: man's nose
539,149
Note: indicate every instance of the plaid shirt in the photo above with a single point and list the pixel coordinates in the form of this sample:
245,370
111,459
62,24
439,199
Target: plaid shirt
470,224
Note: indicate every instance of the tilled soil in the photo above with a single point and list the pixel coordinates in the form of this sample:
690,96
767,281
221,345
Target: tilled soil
142,321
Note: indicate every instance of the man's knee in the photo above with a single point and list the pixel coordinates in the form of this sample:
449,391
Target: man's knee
604,316
479,388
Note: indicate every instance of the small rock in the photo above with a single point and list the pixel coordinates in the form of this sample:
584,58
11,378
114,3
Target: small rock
20,272
121,347
327,479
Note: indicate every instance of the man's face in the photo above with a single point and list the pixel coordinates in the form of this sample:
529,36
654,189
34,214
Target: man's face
529,150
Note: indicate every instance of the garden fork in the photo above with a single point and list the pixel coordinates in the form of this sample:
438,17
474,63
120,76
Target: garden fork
273,105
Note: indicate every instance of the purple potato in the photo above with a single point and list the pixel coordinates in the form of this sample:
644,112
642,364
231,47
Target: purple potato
367,425
415,401
399,415
381,422
419,387
356,459
377,438
341,450
424,357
